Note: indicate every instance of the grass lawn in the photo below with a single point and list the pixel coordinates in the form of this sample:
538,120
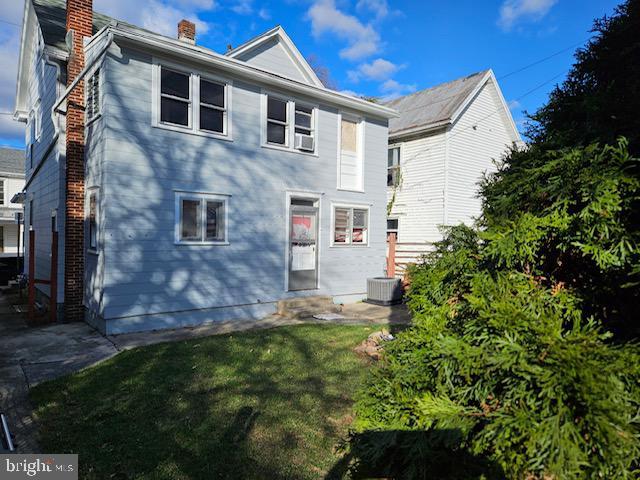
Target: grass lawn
269,404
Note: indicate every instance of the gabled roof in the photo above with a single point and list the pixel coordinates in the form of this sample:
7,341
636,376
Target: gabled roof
12,161
434,106
281,36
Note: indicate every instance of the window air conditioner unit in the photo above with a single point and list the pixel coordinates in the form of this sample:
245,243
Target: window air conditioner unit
304,142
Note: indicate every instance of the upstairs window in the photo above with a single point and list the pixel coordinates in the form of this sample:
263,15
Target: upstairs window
350,160
392,227
92,108
1,191
201,218
277,121
393,167
175,97
350,226
213,111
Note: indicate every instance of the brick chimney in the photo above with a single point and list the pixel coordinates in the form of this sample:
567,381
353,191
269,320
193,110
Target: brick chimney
187,31
80,24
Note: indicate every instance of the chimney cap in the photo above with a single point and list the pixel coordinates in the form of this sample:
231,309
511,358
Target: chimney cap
187,31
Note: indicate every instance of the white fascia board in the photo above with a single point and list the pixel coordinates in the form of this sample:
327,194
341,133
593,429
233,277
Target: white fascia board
27,19
235,67
423,129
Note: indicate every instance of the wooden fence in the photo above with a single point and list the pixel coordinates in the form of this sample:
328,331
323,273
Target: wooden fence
401,255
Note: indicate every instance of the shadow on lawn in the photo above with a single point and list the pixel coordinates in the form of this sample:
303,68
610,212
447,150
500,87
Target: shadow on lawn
222,407
401,454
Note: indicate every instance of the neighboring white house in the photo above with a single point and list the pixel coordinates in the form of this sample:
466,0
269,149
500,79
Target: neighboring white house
11,182
444,141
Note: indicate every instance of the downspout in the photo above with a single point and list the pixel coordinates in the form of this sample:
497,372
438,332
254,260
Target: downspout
81,75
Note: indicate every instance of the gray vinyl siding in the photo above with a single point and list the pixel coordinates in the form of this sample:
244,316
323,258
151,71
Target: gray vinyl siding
272,56
145,273
46,187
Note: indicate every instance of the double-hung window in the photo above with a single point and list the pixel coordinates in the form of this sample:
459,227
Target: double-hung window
1,191
191,102
392,227
277,121
213,109
350,226
201,218
175,98
393,167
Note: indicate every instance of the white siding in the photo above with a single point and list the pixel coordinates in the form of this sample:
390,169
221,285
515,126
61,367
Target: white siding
419,201
273,57
472,152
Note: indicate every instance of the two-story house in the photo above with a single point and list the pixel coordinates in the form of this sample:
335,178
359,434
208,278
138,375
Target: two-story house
189,186
11,183
446,139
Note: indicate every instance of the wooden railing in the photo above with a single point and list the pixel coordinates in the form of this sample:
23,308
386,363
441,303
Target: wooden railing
401,255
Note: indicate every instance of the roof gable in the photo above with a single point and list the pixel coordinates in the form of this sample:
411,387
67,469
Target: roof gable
274,51
442,105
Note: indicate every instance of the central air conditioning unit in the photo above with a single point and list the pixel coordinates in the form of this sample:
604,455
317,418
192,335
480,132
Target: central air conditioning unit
304,142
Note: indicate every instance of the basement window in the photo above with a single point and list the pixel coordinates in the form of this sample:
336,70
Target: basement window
201,219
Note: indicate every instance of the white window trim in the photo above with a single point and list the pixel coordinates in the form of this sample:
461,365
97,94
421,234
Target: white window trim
194,106
307,195
92,191
397,230
291,120
355,206
37,116
87,88
361,143
399,147
202,196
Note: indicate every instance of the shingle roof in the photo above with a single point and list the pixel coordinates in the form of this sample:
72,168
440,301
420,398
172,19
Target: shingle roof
12,160
52,16
434,105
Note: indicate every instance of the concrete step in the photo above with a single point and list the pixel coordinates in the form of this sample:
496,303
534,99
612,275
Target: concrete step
304,307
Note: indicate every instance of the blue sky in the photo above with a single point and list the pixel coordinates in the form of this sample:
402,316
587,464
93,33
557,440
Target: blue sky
371,47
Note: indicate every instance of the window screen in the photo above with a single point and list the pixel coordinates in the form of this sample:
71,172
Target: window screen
277,121
175,97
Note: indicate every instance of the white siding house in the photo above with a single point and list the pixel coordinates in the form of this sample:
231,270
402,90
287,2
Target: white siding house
11,183
446,138
215,184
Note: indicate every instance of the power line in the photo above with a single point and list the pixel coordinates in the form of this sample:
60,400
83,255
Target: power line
10,23
506,75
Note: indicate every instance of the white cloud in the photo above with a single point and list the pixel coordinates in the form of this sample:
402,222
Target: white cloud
243,7
379,8
513,11
379,69
158,16
514,104
10,130
363,40
393,89
11,11
351,93
264,14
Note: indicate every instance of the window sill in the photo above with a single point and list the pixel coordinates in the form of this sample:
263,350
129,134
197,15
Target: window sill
349,245
92,251
200,244
189,131
349,190
288,149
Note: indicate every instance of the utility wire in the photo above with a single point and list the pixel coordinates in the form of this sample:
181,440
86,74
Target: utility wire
10,23
506,75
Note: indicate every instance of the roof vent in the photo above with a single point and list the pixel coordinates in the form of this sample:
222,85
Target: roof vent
187,31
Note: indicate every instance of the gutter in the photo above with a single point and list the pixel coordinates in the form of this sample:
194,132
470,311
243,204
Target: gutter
238,68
